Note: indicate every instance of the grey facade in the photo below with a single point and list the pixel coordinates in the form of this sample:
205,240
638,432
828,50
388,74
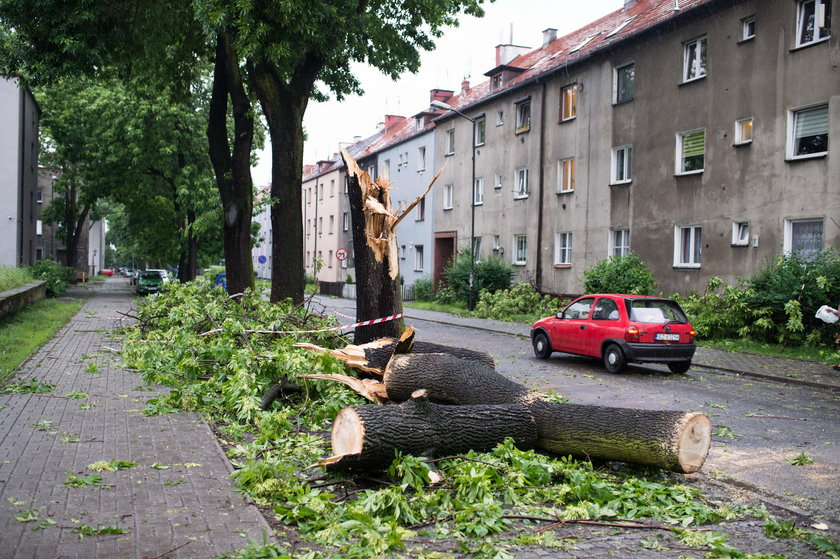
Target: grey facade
19,116
703,139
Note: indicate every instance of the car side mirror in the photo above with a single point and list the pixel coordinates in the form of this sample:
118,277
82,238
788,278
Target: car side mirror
560,315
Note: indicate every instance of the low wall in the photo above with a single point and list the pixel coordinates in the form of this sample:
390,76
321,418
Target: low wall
14,300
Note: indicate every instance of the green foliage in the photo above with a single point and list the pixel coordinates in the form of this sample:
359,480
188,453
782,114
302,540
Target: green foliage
424,289
83,481
801,459
491,274
31,386
522,303
56,276
620,274
88,530
12,277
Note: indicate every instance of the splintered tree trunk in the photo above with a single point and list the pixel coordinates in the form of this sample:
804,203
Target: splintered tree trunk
672,440
450,380
368,436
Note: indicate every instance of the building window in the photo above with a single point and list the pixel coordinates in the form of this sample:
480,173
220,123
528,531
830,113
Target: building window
495,82
804,237
418,258
566,175
332,224
332,188
748,28
478,191
419,124
521,184
345,218
497,244
687,240
450,141
480,125
476,247
497,181
743,131
808,131
625,83
568,102
622,165
320,191
421,158
740,233
448,196
329,259
39,227
694,59
402,252
563,249
620,240
320,226
691,152
500,118
420,210
520,249
813,22
39,197
523,116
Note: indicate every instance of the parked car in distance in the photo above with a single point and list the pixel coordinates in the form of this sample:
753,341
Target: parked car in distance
619,329
163,273
149,281
107,272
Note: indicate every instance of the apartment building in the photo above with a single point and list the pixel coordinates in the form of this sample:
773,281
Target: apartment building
695,134
323,192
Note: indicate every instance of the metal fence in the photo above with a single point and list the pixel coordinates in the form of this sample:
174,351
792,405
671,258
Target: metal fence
348,290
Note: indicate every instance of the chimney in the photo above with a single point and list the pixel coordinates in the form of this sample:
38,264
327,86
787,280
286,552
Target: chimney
391,120
357,139
629,3
506,53
465,87
440,95
550,34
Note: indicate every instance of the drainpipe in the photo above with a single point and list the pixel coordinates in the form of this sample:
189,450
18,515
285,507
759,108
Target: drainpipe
540,188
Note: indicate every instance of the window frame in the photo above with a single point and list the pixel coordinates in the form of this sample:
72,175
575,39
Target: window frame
497,181
566,175
818,37
626,167
346,221
568,102
563,249
746,33
788,234
517,250
740,140
480,136
420,210
450,142
740,233
520,193
500,117
448,198
694,248
421,158
688,63
793,116
617,99
478,192
680,162
619,247
419,258
522,124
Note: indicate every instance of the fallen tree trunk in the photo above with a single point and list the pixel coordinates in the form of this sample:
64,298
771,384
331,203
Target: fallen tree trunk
368,436
672,440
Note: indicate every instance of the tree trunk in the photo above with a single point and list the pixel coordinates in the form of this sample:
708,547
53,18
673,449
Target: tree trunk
673,440
377,279
368,436
450,380
232,167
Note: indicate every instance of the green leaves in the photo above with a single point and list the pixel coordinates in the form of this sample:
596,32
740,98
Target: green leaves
31,386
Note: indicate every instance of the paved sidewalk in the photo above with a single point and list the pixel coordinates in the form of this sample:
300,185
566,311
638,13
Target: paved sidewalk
45,438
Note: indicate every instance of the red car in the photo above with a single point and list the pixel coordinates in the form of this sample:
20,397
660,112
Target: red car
107,272
619,329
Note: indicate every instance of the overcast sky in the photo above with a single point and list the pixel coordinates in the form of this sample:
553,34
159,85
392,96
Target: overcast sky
467,51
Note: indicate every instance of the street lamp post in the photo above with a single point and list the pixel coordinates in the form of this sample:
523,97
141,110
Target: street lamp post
471,295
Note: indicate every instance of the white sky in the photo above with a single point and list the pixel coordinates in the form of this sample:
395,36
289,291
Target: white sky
465,51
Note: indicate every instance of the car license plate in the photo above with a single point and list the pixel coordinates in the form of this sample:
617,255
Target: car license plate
667,337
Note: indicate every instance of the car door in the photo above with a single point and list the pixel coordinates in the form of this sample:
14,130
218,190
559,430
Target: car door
604,323
570,328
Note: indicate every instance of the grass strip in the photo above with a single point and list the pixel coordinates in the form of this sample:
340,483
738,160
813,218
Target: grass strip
23,333
11,278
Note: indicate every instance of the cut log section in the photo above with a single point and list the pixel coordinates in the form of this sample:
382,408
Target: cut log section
368,436
672,440
450,379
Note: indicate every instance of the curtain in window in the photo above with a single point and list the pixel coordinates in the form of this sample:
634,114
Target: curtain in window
806,237
693,150
811,131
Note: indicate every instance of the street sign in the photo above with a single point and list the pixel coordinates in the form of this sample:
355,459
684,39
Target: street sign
262,259
342,254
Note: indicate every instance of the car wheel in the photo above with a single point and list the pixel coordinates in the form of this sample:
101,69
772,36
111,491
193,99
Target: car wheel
680,367
614,360
542,347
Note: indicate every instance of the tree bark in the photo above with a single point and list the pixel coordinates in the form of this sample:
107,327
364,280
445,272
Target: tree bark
368,436
232,167
377,286
672,440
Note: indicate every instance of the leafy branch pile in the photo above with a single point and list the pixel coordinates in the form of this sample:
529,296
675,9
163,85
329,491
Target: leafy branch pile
469,504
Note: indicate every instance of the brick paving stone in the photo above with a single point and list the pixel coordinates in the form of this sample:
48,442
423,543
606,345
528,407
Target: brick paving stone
204,511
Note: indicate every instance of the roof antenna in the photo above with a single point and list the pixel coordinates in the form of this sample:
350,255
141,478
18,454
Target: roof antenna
676,5
511,33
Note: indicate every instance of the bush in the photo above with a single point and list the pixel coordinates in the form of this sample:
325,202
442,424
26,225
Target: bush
491,274
620,274
12,277
522,303
54,274
424,289
446,296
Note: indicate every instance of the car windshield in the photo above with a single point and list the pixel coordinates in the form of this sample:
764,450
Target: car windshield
656,311
150,275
